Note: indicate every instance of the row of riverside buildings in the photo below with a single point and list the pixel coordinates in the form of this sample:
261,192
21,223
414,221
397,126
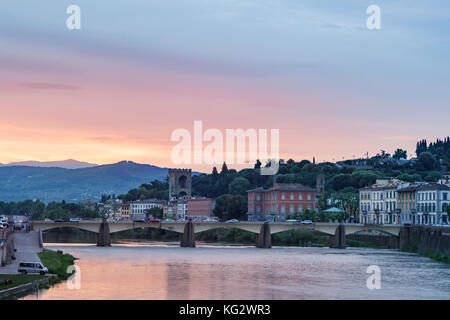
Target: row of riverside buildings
182,209
387,201
398,202
272,204
180,206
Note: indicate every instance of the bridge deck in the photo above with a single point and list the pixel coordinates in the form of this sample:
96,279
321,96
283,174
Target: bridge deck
254,227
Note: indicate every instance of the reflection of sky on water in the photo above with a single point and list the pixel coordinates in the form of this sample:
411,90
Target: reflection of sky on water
166,272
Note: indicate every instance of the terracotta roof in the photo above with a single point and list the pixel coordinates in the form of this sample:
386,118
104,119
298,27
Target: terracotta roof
433,186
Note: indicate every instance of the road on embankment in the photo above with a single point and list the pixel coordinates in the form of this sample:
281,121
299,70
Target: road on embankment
27,246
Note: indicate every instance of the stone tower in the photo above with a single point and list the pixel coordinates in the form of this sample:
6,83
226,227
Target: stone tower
320,185
180,183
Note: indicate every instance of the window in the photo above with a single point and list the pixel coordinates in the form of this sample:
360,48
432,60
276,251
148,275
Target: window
283,196
292,196
300,207
444,196
309,196
258,197
283,208
291,208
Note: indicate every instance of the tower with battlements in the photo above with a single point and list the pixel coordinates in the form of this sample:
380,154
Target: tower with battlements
180,183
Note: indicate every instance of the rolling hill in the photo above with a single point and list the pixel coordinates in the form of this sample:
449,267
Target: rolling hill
67,164
74,185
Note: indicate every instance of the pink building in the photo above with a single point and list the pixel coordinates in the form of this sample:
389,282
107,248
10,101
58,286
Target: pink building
199,208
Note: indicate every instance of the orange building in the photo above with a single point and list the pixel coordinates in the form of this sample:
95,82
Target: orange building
276,203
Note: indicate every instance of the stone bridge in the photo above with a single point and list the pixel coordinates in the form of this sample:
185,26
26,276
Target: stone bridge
336,231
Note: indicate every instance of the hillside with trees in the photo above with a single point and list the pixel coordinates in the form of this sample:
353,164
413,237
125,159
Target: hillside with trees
342,181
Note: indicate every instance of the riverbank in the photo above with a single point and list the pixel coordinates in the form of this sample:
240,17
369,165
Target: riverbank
57,262
19,285
435,255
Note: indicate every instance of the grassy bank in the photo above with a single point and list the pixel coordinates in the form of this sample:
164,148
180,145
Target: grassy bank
18,279
438,256
57,262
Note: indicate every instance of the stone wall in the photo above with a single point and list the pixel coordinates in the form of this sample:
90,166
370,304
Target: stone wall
426,238
7,237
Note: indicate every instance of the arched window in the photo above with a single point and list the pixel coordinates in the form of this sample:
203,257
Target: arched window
182,181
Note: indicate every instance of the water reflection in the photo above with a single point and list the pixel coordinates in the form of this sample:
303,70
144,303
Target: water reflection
169,272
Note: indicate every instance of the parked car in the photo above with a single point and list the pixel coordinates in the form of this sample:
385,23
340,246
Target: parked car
59,220
306,222
18,227
48,220
32,267
169,220
181,219
139,221
232,221
291,220
75,219
154,220
210,220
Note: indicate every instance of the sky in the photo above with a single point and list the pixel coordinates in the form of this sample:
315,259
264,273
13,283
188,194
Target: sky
137,70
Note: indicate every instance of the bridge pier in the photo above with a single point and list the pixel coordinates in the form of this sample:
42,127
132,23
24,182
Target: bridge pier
264,239
394,242
405,236
188,237
338,240
103,236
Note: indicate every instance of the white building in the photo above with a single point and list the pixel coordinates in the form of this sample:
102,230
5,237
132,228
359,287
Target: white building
378,204
111,208
432,202
138,209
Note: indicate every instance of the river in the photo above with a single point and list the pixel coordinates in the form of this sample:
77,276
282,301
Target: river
133,271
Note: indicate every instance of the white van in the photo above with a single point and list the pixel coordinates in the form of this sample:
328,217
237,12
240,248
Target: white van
32,267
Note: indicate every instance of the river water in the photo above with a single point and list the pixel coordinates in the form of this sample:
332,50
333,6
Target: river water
133,271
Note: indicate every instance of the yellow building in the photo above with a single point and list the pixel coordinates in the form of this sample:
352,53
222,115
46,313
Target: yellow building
125,211
407,204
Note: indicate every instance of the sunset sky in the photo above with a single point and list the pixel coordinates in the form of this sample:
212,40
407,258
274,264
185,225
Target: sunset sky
137,70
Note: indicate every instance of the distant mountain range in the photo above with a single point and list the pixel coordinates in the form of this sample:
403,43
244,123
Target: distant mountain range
52,183
67,164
